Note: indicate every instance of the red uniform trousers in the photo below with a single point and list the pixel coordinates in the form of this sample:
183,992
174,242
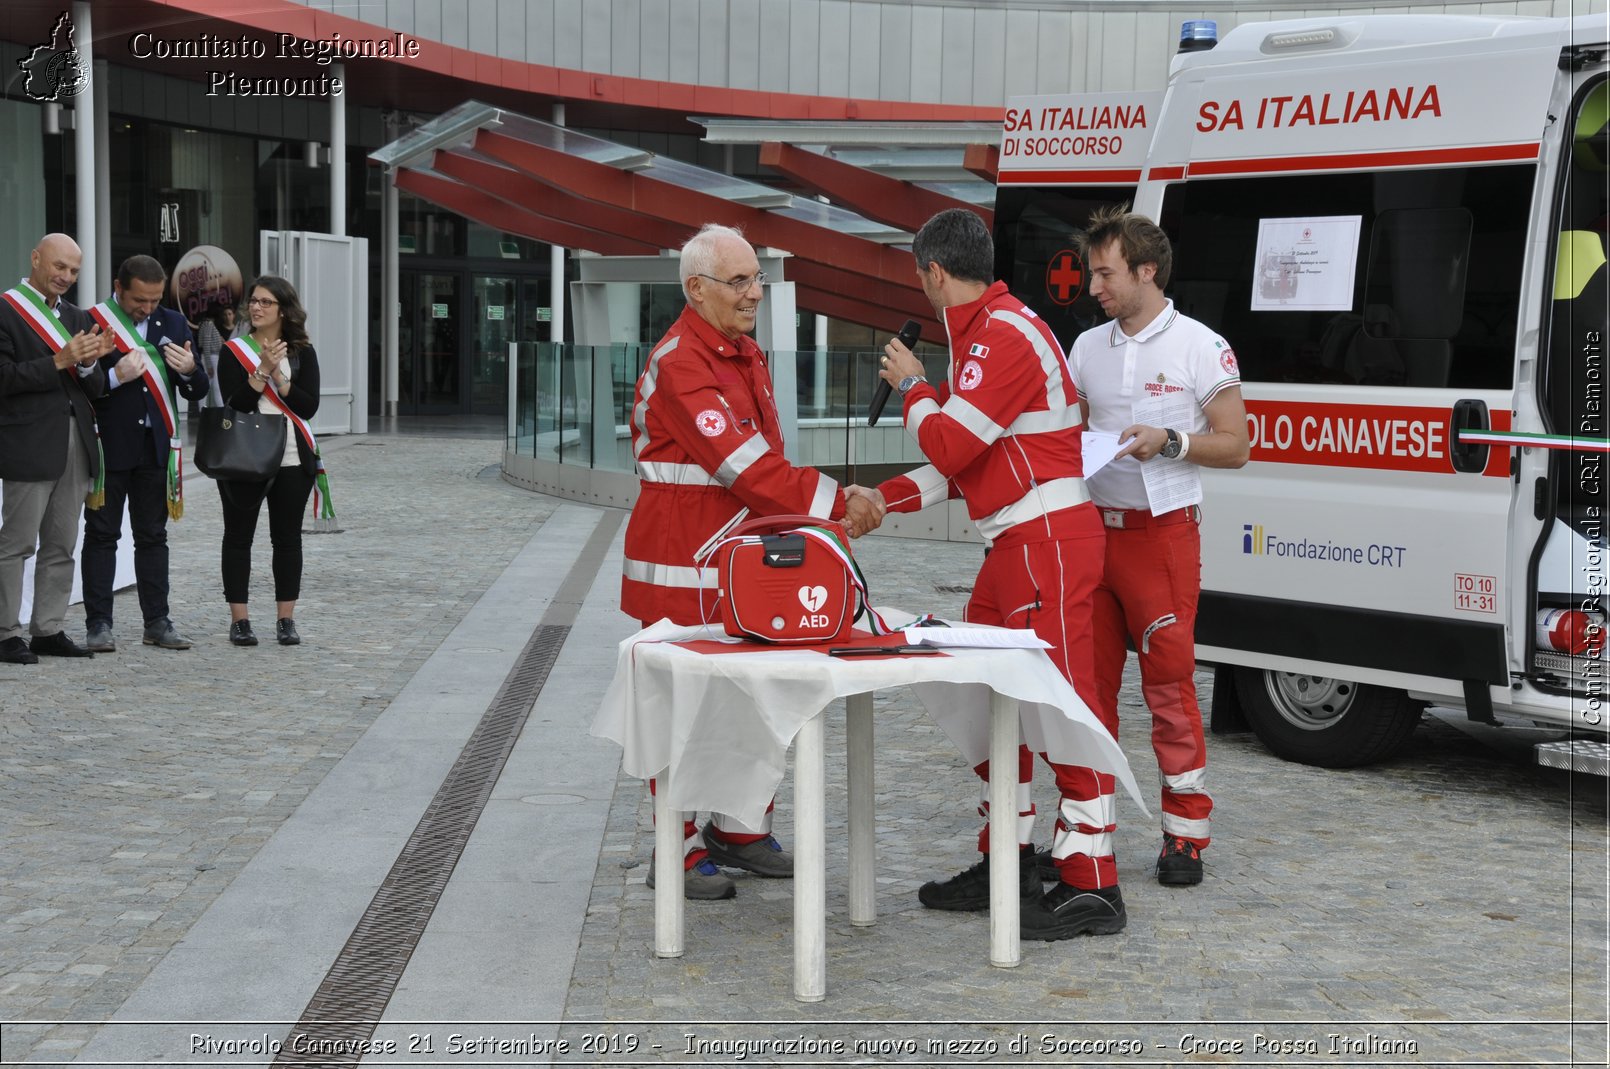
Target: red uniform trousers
1147,598
1048,586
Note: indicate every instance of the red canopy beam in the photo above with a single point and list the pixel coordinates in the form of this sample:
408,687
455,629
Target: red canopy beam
649,196
500,215
983,160
902,205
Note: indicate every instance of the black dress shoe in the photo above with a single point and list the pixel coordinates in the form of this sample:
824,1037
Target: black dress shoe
240,633
286,629
15,651
57,645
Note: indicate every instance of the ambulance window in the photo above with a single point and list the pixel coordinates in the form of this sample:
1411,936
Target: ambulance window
1037,256
1435,284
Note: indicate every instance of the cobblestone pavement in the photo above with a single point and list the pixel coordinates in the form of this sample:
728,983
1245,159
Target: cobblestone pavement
1448,906
136,785
1423,911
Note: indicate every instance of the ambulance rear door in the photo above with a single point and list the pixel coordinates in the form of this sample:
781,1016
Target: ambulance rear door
1063,157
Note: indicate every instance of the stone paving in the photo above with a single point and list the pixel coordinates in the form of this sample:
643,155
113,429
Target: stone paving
1453,899
1431,900
136,785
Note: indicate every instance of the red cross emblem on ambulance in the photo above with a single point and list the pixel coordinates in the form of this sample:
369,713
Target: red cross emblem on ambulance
1064,277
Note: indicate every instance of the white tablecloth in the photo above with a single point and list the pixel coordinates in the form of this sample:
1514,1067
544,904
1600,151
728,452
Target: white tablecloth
724,721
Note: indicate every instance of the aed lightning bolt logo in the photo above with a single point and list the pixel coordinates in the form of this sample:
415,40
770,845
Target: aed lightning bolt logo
1252,539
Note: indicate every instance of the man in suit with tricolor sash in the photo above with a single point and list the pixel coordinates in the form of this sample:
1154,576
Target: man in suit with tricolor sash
154,364
49,455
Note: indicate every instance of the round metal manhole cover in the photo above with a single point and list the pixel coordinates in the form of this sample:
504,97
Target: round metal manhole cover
553,799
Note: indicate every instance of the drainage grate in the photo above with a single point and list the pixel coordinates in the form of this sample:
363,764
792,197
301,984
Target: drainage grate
344,1011
341,1018
953,589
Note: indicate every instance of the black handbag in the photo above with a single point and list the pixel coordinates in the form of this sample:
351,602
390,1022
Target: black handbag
230,444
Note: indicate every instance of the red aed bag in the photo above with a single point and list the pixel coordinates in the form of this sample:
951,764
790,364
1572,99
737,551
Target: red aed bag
790,579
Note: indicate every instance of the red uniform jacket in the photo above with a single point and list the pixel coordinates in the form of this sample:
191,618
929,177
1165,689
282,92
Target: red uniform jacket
709,453
1003,431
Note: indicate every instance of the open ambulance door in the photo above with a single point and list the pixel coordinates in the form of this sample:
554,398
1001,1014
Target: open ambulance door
1562,476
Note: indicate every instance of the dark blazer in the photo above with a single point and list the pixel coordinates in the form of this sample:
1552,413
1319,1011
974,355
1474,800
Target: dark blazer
36,400
128,414
302,397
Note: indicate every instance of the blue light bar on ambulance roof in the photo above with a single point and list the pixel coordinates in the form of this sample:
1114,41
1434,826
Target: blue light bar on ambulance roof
1198,35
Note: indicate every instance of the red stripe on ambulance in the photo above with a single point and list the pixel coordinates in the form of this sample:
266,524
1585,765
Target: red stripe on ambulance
1380,437
1366,161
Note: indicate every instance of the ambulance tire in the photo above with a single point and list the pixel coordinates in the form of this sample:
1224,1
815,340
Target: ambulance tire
1331,723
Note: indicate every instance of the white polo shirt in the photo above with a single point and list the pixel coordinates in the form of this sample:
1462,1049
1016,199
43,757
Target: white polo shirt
1170,354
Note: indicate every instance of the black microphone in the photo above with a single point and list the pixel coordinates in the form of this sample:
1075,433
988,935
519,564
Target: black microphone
908,337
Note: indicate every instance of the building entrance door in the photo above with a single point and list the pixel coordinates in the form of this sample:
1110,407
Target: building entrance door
429,343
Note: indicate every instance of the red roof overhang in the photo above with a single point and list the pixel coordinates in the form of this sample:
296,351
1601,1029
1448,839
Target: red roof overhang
903,205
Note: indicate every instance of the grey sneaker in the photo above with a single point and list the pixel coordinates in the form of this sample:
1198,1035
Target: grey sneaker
100,640
702,882
164,634
764,857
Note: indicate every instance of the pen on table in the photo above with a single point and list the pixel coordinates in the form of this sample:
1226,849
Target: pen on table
877,651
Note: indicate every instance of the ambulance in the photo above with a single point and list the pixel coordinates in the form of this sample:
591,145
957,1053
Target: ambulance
1399,223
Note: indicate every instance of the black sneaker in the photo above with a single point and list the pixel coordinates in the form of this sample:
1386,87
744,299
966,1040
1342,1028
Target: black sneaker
968,890
1067,911
1180,863
1049,873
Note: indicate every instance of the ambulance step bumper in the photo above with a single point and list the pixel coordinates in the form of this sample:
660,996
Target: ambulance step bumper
1578,755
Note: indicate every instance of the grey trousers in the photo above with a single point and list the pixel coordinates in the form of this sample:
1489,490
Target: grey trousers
46,513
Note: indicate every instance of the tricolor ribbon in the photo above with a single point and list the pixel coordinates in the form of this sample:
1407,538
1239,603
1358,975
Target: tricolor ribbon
1534,440
249,353
30,304
115,321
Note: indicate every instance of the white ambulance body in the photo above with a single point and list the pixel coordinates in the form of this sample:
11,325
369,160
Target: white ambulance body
1399,223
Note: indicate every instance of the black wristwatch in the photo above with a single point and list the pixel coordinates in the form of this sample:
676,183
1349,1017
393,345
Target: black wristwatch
908,382
1171,448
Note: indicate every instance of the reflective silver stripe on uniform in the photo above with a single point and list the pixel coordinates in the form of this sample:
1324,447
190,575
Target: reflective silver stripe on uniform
933,486
737,462
827,492
1040,501
642,571
1025,810
663,471
651,376
1156,625
971,417
1051,362
918,412
1100,813
1058,419
1192,782
1187,829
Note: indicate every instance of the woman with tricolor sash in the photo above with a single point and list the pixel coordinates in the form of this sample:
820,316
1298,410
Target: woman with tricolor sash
273,370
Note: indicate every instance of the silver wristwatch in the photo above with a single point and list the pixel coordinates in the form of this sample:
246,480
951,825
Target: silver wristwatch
1171,448
908,382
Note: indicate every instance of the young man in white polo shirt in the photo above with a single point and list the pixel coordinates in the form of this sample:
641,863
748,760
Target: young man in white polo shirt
1170,389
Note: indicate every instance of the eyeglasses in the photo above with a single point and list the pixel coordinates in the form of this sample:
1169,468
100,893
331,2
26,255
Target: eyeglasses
740,284
262,302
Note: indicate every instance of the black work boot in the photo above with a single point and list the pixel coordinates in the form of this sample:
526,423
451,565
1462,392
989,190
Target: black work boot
1067,911
1180,863
968,890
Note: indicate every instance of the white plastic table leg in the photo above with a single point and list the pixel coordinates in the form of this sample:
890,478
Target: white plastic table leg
810,864
863,825
668,890
1005,933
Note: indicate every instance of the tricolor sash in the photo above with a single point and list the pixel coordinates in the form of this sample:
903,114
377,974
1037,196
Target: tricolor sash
249,354
28,303
113,319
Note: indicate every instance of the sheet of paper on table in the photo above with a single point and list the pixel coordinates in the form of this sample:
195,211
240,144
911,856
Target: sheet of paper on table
998,638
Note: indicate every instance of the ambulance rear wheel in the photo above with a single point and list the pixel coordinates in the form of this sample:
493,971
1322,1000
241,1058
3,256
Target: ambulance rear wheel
1332,723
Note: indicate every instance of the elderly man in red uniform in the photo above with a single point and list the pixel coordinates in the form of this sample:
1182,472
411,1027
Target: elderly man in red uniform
709,452
1004,432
